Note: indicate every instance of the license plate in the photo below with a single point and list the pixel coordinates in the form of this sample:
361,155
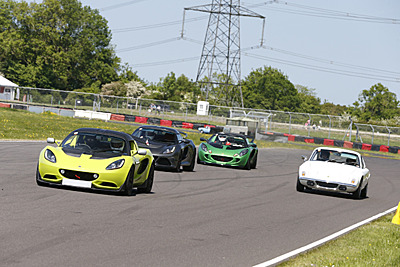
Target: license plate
77,183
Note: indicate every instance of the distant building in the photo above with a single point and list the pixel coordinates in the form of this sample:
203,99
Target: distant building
8,89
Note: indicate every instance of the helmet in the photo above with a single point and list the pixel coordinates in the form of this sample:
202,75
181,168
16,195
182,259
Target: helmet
117,144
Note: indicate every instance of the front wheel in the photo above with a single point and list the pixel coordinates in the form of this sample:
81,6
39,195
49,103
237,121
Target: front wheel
192,161
358,193
299,186
254,165
149,182
129,182
364,191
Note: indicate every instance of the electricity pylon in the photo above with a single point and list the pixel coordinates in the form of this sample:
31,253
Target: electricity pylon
220,58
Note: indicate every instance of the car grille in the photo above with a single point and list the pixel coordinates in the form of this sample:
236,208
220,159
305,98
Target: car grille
76,175
328,185
221,158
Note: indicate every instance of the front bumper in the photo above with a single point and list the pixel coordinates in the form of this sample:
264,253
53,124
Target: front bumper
222,160
105,180
329,186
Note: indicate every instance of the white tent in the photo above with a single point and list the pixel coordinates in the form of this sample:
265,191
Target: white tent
7,89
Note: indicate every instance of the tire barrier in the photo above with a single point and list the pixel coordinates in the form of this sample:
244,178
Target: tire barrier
347,144
273,137
130,118
117,117
357,145
166,123
154,121
187,125
384,149
141,119
366,147
329,142
5,105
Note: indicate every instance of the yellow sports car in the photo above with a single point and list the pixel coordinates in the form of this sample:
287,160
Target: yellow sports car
96,159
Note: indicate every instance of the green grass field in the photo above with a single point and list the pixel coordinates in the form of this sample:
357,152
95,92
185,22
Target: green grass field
375,244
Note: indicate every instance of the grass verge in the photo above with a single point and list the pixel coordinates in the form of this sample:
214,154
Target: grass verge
375,244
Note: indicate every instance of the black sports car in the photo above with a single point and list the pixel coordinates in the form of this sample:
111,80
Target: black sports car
169,148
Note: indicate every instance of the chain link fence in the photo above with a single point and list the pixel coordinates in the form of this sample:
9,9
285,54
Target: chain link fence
302,124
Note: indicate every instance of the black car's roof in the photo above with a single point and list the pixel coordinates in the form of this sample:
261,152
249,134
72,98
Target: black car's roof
159,128
122,135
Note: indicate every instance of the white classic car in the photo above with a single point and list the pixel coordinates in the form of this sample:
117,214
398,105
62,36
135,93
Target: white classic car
334,170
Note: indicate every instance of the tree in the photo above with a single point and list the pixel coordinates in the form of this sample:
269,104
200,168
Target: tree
175,89
268,88
309,102
377,103
55,44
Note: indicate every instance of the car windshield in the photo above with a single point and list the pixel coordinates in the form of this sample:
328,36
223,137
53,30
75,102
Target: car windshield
155,135
336,156
228,141
102,146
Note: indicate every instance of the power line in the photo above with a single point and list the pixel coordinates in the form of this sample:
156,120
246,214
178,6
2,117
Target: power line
158,25
325,13
165,62
120,5
328,70
147,45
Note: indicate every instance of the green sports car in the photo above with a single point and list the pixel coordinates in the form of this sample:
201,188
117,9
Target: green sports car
228,149
96,159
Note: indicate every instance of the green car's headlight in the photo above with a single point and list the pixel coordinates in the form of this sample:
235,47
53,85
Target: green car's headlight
204,147
116,164
243,152
49,155
169,150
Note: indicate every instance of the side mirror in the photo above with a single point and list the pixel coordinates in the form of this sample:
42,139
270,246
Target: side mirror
51,140
203,139
253,145
142,152
304,157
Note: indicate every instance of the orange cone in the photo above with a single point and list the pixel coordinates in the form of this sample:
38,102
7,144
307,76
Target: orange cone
396,218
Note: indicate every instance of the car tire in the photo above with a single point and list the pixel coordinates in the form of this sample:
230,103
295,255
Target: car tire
248,165
364,191
129,182
192,161
357,194
299,186
254,165
178,164
149,182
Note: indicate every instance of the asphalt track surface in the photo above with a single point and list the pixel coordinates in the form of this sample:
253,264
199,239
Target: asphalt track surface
211,217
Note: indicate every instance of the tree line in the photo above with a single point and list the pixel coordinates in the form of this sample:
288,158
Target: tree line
61,44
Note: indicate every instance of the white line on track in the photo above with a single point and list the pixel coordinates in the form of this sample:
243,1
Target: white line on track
322,241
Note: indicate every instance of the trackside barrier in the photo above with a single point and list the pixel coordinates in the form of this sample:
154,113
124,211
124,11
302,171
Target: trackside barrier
187,125
116,117
384,149
366,147
166,123
141,119
92,115
5,105
308,140
328,142
347,144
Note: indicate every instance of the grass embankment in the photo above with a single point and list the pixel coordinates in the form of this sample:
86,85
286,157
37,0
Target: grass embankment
376,244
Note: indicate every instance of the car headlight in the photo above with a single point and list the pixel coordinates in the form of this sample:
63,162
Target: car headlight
49,155
243,152
116,164
203,147
169,150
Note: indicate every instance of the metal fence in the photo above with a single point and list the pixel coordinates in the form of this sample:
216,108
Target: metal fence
303,124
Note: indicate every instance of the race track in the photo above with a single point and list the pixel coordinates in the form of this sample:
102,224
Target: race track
211,217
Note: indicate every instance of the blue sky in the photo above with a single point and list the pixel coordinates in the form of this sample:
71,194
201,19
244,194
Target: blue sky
338,48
